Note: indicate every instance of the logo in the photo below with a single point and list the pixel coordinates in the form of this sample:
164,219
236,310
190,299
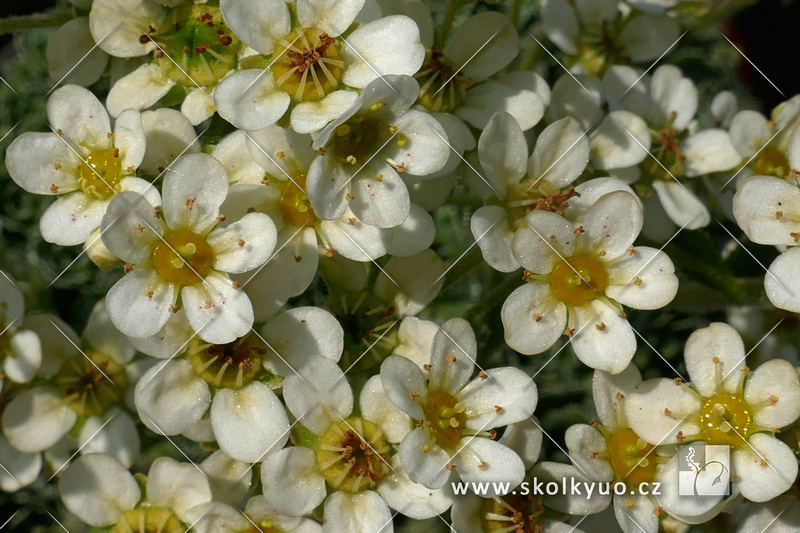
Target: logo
704,470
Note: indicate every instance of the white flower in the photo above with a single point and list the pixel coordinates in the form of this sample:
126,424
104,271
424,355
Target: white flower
725,405
259,513
82,161
72,54
668,101
768,211
520,511
20,349
349,455
364,152
101,492
458,78
178,258
88,387
173,396
781,515
192,49
268,172
579,276
609,451
596,34
764,143
521,184
454,416
313,67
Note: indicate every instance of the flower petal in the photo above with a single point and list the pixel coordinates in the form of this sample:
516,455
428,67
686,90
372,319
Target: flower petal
318,395
291,481
168,135
709,151
533,320
331,16
117,26
507,395
774,391
53,170
71,219
36,419
249,422
140,89
561,153
299,336
176,486
682,206
170,397
244,245
217,310
366,50
363,512
659,409
403,381
194,189
644,279
503,152
492,232
412,499
603,339
379,409
139,304
259,24
712,354
131,228
98,489
766,468
423,460
483,45
250,100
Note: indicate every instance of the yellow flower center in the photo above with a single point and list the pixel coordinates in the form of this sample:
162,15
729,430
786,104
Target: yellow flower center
600,50
725,419
445,418
442,87
295,204
149,520
579,280
353,455
183,258
100,173
630,457
263,526
194,46
91,386
231,365
309,66
771,162
512,514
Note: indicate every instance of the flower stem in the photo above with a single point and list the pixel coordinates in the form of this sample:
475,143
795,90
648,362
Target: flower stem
494,298
453,6
462,267
32,22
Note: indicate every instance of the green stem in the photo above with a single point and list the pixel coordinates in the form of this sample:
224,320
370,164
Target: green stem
516,7
39,20
493,299
462,267
453,7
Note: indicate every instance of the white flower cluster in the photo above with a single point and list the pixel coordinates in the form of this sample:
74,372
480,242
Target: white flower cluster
271,276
